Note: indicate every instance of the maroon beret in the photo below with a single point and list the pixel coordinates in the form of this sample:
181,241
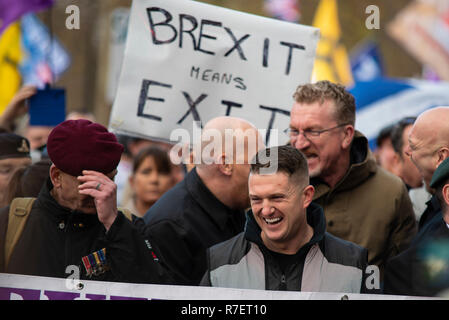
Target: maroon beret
77,145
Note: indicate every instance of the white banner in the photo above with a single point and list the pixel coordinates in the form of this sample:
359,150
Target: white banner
19,287
187,61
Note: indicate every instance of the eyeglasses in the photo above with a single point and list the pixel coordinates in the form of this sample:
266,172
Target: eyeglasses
309,134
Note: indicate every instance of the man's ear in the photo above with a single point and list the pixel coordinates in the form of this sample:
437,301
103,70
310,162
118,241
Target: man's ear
308,193
443,153
224,166
397,163
348,131
55,176
445,193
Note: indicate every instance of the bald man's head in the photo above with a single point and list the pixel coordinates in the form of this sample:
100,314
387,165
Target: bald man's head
227,146
429,141
228,140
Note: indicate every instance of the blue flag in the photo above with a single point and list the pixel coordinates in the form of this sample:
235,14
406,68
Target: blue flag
46,59
385,101
366,62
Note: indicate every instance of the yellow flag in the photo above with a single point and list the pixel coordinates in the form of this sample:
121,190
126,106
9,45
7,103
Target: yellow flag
331,62
10,55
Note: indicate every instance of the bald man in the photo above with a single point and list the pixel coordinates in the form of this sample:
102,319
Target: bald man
428,147
207,207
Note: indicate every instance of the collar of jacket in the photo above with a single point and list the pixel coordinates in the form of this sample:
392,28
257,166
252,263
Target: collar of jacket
432,209
433,204
315,218
435,229
218,211
363,165
59,213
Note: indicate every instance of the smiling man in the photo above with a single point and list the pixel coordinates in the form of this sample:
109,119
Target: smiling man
285,245
362,202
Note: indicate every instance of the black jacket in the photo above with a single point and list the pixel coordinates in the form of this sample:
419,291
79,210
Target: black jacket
186,221
422,269
433,209
325,263
55,237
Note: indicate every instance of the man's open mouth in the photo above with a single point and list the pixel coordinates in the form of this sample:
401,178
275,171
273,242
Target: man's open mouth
273,220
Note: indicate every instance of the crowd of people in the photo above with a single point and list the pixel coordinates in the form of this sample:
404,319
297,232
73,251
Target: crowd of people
322,213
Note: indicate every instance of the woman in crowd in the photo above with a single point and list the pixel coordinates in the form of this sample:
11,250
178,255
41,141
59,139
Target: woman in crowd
151,177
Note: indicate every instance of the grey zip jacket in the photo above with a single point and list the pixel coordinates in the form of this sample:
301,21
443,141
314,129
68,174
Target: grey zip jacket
328,263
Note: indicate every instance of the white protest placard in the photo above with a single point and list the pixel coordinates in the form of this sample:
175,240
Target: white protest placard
187,61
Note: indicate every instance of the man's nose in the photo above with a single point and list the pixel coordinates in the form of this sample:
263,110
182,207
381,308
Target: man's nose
300,142
267,208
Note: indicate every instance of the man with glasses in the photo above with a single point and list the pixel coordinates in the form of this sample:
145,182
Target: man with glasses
362,203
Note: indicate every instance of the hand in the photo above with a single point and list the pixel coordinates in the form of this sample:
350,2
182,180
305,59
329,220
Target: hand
17,106
104,191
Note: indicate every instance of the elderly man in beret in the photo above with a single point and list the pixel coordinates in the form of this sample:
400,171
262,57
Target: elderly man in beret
14,154
423,269
74,220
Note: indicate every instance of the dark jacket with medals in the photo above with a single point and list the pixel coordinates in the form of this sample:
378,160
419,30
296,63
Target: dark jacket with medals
55,238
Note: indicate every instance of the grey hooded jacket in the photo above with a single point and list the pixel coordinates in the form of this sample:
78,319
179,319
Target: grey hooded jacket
329,264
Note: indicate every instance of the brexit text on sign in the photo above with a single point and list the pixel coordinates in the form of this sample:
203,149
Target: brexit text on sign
187,62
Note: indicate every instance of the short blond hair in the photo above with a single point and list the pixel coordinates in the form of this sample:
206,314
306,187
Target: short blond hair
325,90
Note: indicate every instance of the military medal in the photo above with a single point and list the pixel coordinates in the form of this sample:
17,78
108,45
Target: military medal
87,266
102,255
95,263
